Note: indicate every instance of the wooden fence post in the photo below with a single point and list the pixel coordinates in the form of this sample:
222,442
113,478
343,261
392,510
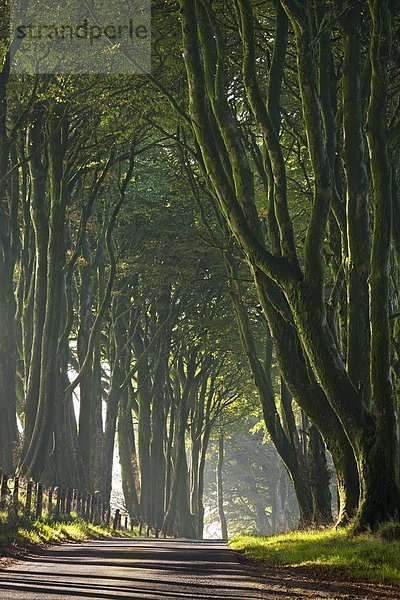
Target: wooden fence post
39,500
50,504
3,492
126,522
15,494
75,501
28,502
108,516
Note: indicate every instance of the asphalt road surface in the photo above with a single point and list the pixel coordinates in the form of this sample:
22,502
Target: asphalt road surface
156,569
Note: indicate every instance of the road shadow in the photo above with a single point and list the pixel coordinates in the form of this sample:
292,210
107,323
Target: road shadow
130,569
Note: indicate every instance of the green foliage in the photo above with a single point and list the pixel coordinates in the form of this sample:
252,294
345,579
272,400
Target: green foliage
364,557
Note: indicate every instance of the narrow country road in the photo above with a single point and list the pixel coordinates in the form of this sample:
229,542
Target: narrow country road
166,570
156,569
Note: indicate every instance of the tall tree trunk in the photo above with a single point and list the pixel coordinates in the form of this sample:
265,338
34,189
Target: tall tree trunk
200,487
168,452
64,464
381,493
178,513
144,425
96,420
117,362
220,490
291,456
159,426
358,251
8,370
35,459
87,387
8,424
127,455
209,113
319,479
38,213
197,431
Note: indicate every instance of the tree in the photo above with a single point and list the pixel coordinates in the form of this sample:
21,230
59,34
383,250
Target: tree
229,172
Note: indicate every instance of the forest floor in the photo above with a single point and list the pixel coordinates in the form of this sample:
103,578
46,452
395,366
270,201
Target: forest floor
324,564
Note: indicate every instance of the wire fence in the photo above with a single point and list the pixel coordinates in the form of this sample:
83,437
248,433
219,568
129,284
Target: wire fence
33,501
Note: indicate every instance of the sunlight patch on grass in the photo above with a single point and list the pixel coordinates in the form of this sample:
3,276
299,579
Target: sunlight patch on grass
20,534
363,557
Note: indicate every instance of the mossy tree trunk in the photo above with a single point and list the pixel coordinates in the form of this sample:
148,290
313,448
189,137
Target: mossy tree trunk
319,479
127,453
34,461
87,387
8,214
38,214
144,421
225,162
159,414
116,398
309,395
178,517
358,226
381,497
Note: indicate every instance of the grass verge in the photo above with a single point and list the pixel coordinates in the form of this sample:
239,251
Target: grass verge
365,557
20,535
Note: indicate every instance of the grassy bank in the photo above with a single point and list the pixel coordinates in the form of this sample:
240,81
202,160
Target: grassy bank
365,557
22,535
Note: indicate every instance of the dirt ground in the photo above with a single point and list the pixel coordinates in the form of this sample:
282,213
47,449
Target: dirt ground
303,582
